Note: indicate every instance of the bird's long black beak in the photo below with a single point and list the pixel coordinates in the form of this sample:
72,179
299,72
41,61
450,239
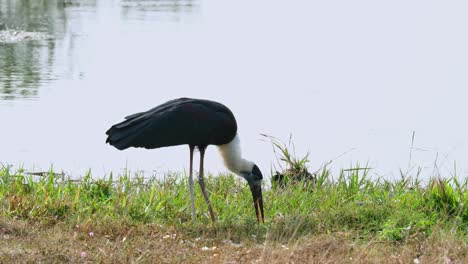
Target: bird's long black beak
256,188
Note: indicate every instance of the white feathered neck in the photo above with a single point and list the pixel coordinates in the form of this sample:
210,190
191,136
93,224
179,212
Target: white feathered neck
232,156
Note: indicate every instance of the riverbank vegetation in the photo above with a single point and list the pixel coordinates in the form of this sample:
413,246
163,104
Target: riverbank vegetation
127,215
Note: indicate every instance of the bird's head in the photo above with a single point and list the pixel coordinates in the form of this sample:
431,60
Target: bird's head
254,178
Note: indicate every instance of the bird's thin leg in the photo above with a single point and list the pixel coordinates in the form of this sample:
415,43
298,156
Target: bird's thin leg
192,195
202,183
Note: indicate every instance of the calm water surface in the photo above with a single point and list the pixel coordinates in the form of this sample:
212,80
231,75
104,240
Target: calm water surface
353,78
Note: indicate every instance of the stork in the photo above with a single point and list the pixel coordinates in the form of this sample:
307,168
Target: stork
196,123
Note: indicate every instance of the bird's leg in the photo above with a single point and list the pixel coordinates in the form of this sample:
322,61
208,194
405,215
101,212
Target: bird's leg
201,181
192,195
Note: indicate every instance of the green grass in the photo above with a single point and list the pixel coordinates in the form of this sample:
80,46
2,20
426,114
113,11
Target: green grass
351,203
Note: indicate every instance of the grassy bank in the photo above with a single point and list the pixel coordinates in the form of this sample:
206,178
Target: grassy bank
132,217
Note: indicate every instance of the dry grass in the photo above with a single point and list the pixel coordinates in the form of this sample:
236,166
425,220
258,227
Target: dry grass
23,242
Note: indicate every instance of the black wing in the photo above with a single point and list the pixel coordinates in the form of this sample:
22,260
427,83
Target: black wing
177,122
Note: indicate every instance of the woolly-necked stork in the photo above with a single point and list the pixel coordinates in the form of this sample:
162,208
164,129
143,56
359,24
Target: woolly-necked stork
197,123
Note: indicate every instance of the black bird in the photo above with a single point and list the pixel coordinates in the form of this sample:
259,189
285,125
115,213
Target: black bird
197,123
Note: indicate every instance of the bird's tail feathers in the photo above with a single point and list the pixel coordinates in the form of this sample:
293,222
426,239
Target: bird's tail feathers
122,135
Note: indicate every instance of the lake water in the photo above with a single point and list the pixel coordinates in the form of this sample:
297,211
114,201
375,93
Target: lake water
350,80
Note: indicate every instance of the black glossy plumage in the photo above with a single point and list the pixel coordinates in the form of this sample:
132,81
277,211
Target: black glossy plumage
181,121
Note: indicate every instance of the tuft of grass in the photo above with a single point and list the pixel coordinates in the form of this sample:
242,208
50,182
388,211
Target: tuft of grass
294,170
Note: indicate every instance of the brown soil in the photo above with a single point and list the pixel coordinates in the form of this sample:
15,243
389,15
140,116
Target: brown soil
22,242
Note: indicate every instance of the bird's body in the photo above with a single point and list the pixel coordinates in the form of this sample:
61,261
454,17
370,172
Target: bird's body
194,122
183,121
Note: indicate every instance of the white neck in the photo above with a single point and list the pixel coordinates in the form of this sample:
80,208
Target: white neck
232,156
